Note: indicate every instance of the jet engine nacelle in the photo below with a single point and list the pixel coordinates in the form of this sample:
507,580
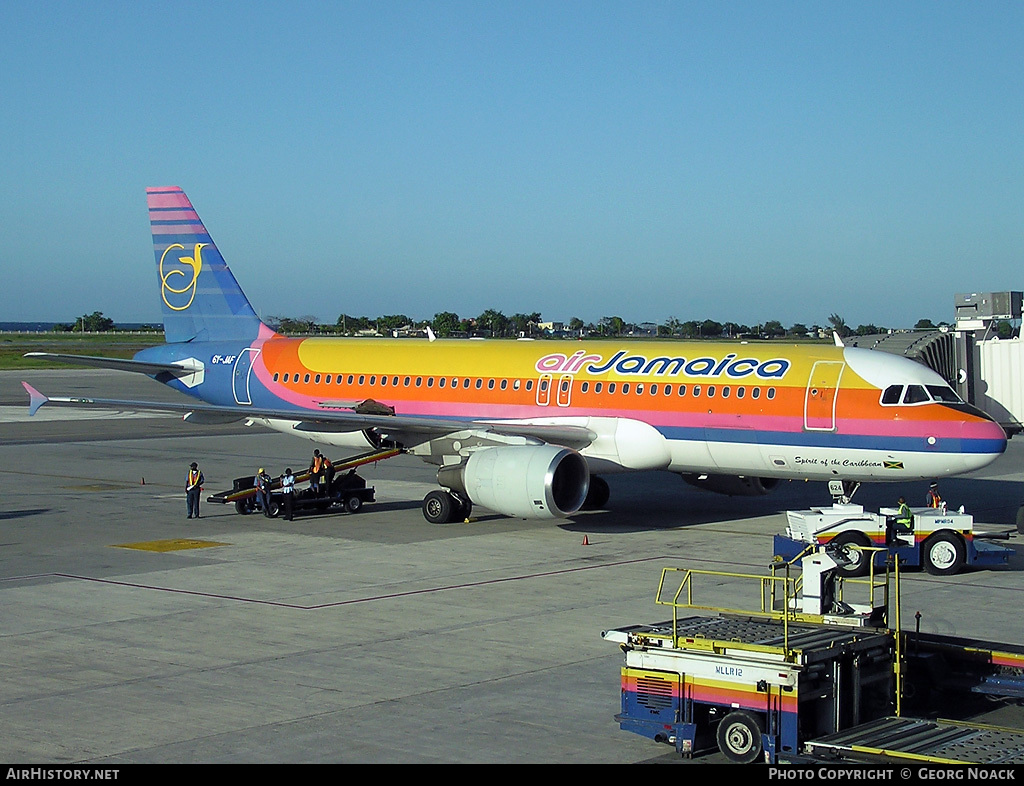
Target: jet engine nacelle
733,485
525,481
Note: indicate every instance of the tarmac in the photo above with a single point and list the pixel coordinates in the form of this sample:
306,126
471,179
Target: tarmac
131,634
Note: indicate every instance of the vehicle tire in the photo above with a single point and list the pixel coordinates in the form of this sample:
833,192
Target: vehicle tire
273,508
739,737
943,554
850,545
438,507
597,494
354,504
243,506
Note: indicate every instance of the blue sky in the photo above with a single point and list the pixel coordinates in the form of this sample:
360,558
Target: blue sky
738,161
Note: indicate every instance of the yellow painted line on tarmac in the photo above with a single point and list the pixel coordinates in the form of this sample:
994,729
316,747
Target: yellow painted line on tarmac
176,544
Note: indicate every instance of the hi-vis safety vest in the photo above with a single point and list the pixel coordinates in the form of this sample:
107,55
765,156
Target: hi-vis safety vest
193,478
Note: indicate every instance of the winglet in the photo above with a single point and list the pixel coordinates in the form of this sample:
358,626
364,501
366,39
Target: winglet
430,334
837,339
36,399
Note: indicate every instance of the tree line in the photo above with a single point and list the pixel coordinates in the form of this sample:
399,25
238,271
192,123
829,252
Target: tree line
494,324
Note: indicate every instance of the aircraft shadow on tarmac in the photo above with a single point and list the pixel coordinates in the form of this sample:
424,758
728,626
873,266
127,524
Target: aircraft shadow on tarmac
20,514
637,507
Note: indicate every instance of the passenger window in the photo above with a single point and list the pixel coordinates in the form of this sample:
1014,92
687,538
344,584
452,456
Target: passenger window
668,390
625,388
611,387
696,390
725,392
711,391
755,393
504,384
373,380
598,387
383,380
515,384
317,379
327,379
639,389
419,381
892,394
430,382
654,390
479,384
362,379
584,387
275,376
490,384
682,390
306,378
529,384
771,393
741,392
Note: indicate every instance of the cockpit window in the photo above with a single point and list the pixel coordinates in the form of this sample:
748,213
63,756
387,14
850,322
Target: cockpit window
892,394
915,394
943,393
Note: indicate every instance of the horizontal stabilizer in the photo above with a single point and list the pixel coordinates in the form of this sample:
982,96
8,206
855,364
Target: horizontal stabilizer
36,399
120,364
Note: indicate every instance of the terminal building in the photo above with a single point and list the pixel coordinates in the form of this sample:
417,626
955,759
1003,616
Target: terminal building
986,370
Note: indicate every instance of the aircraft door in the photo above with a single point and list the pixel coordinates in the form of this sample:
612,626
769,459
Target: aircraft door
821,395
241,373
544,390
564,390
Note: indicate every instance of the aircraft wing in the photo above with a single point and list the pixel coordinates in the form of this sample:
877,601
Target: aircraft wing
405,429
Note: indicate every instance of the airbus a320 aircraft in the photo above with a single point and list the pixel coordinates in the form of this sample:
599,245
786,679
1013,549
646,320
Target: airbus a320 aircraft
526,428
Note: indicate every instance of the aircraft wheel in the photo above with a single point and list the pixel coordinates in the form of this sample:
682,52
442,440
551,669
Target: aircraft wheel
353,504
463,510
850,545
597,494
739,737
944,554
438,506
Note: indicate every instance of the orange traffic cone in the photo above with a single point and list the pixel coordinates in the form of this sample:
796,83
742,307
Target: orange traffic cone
585,541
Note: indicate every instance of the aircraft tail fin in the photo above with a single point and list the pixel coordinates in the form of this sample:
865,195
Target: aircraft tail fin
200,298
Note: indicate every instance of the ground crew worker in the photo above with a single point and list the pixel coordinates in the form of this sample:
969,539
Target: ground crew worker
262,483
328,475
288,492
193,488
904,518
933,500
316,467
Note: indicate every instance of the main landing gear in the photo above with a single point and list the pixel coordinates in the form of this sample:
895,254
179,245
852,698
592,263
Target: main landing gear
444,507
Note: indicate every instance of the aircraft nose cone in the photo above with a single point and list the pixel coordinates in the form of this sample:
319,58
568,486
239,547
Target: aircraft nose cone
984,441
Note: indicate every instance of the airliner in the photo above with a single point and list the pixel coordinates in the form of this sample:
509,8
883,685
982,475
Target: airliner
527,429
